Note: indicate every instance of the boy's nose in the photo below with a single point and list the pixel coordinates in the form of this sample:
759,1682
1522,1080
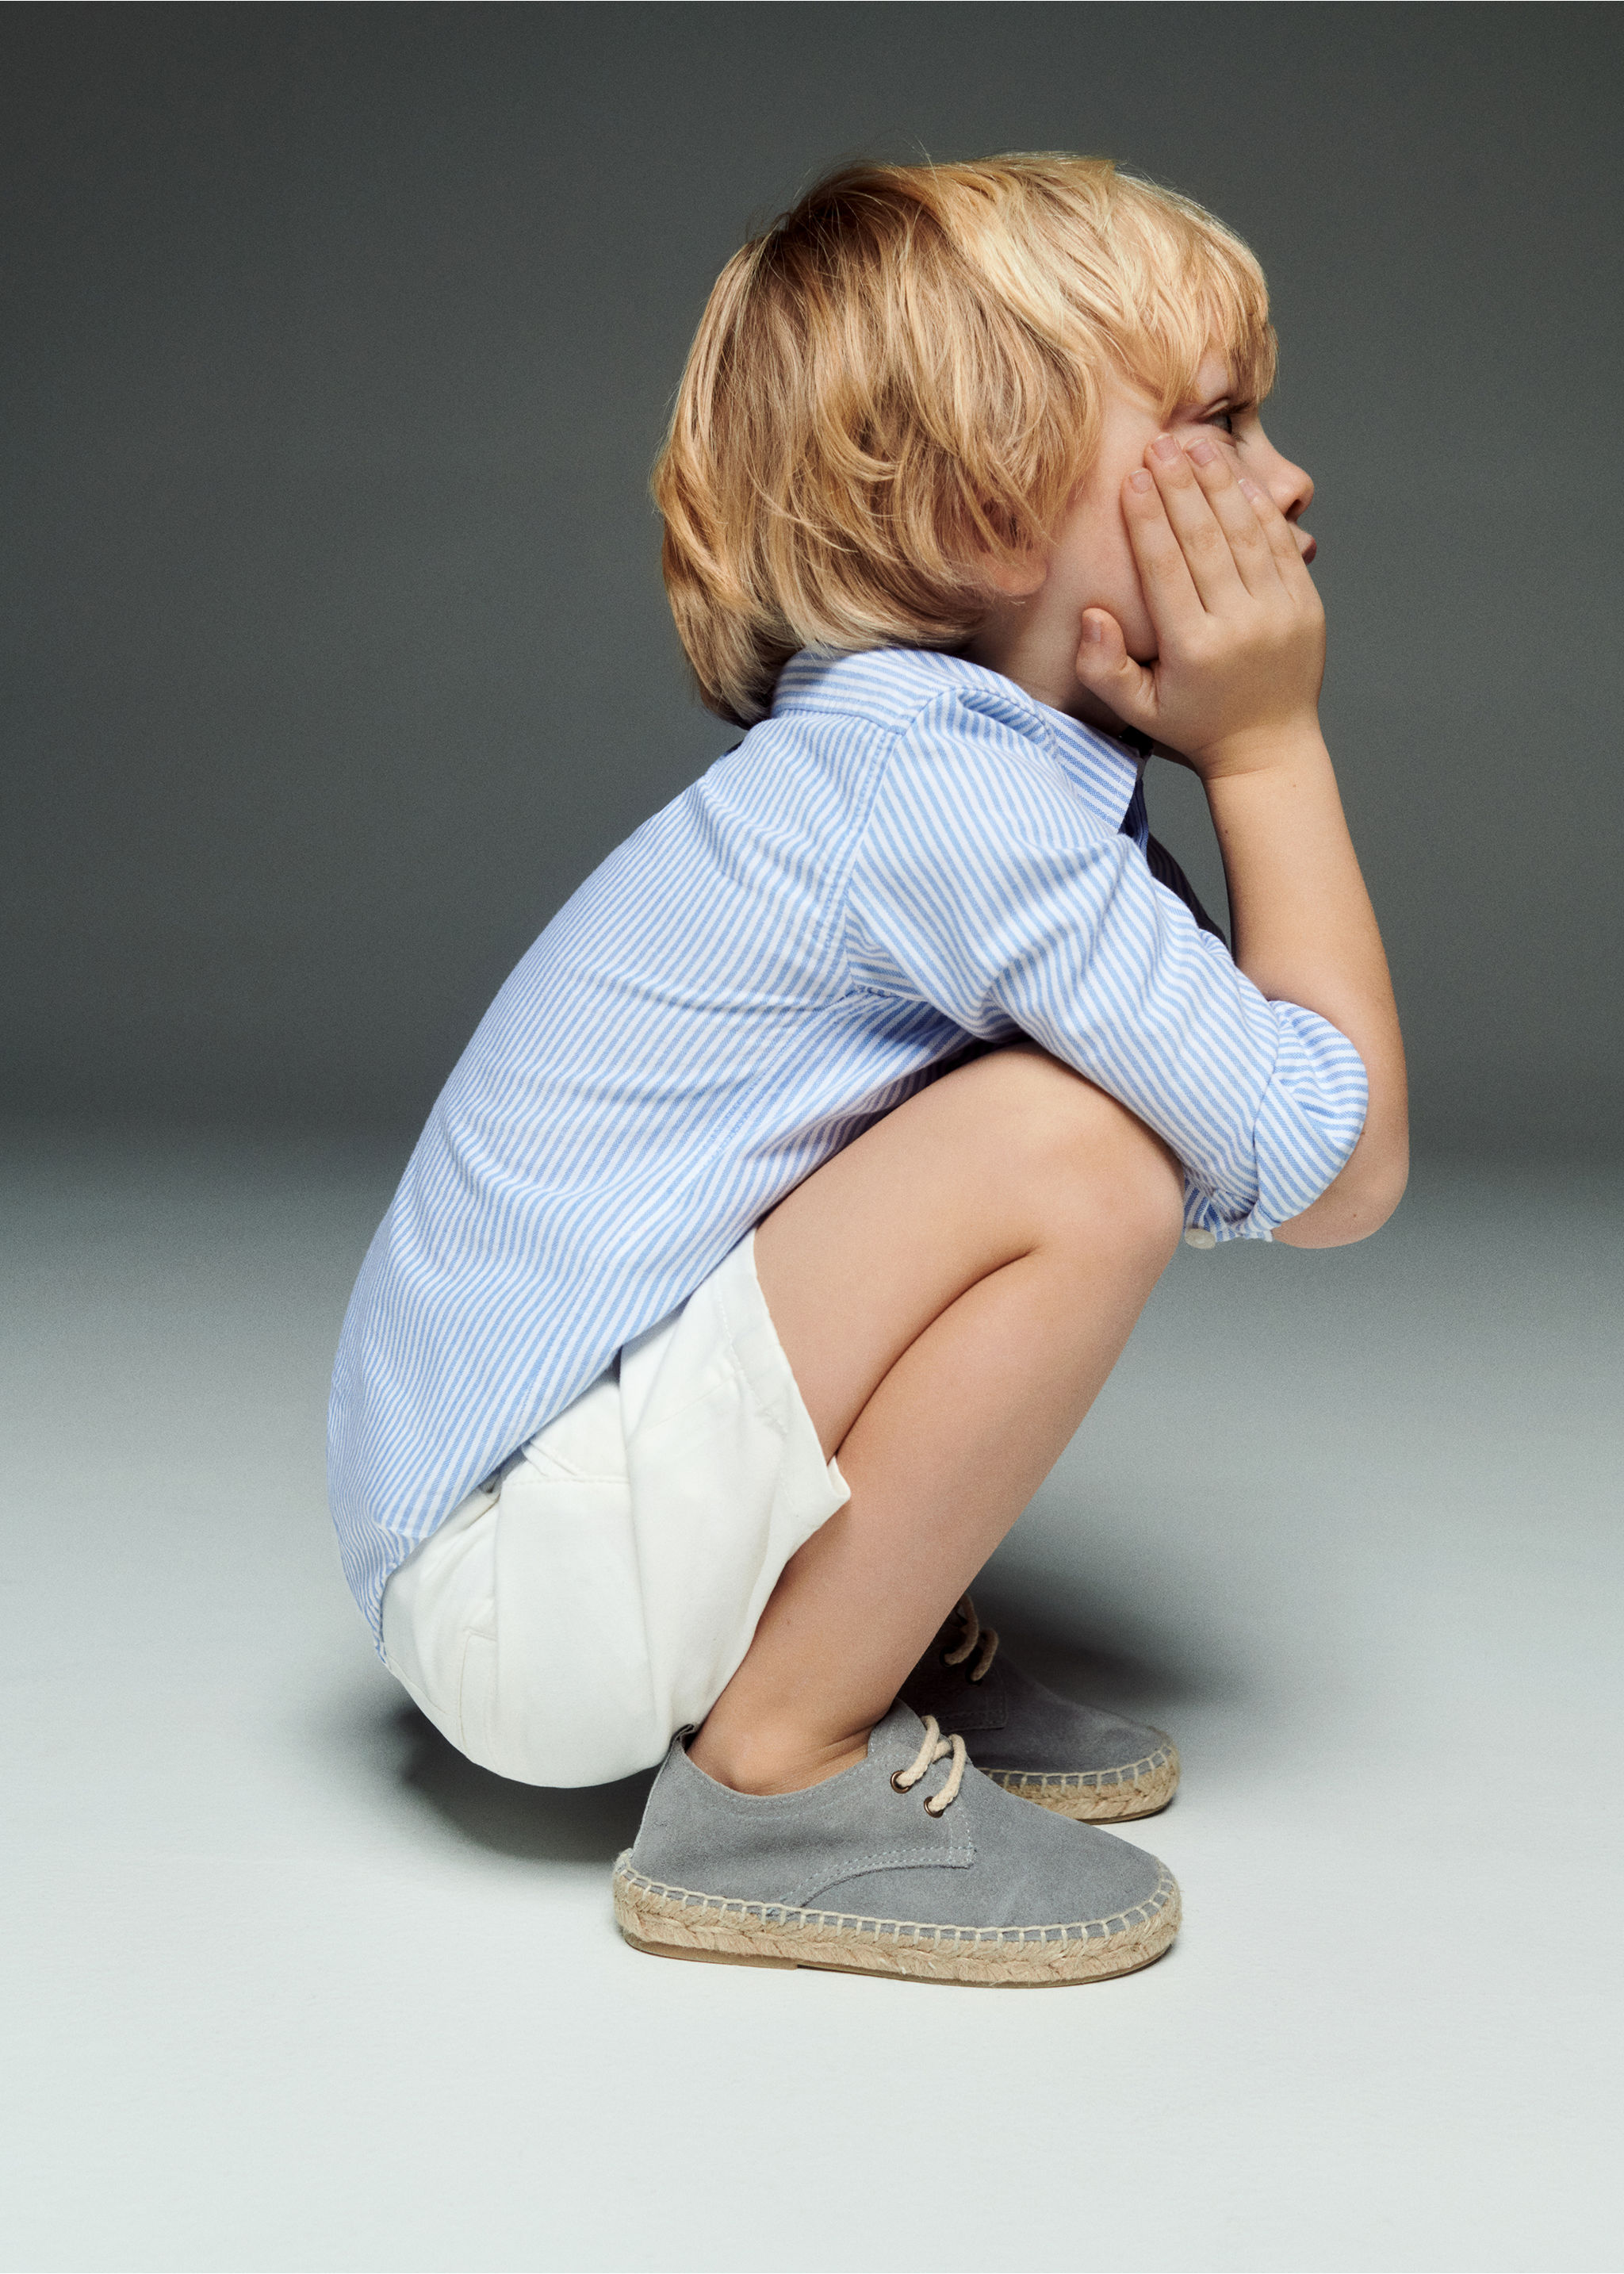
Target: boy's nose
1293,492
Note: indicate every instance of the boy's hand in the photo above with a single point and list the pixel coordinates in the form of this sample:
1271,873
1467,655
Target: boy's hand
1240,630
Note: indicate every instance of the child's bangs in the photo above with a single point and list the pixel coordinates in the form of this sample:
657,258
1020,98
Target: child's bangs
1209,298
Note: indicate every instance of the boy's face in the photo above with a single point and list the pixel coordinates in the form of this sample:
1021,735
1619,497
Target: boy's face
1032,631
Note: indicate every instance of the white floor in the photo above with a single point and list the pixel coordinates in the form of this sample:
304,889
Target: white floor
290,1985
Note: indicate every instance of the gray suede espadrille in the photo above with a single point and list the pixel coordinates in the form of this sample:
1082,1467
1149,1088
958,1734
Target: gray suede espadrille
1075,1759
910,1864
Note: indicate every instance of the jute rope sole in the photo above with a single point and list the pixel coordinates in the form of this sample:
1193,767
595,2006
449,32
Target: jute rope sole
1100,1796
678,1923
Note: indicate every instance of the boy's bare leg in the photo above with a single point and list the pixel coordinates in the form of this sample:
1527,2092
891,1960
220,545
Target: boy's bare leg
952,1292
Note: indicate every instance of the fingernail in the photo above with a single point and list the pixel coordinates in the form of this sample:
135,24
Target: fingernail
1091,627
1249,487
1164,447
1203,453
1139,481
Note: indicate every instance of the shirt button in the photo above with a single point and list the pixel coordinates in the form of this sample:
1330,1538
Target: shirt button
1198,1236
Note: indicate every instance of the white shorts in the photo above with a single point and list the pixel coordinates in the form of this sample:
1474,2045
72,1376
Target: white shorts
565,1621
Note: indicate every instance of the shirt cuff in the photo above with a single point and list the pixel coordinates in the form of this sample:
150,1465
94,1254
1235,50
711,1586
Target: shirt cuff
1309,1121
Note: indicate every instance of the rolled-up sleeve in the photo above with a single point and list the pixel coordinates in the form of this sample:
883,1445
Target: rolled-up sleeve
984,886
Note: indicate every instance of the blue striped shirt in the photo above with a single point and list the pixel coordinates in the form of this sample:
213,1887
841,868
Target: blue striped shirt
910,858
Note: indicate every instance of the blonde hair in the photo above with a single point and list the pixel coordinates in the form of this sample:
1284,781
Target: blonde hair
900,382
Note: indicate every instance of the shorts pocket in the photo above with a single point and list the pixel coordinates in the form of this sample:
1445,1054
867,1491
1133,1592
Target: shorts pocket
586,1442
475,1701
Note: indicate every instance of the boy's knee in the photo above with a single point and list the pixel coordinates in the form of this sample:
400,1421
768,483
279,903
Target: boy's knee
1095,1165
1140,1187
1158,1202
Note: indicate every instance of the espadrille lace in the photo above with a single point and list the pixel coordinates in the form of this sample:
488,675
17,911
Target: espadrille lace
973,1632
935,1748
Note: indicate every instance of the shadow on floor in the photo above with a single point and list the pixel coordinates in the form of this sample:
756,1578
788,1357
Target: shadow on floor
535,1823
1100,1661
1093,1657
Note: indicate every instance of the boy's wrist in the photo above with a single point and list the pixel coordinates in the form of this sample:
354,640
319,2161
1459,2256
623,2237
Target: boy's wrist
1261,750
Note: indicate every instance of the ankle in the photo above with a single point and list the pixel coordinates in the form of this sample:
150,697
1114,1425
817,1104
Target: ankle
763,1761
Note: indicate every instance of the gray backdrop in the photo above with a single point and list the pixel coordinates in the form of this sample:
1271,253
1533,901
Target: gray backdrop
337,345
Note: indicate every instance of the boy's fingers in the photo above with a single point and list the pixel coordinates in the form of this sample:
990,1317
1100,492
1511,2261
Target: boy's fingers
1248,541
1170,594
1279,536
1107,669
1200,534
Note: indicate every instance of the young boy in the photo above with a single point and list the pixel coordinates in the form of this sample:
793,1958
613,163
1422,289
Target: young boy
798,1192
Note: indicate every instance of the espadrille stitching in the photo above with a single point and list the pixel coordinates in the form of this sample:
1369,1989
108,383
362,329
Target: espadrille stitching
894,1859
1084,1780
786,1914
1089,1800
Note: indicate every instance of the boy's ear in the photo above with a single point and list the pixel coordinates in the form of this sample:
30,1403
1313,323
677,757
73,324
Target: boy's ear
1018,579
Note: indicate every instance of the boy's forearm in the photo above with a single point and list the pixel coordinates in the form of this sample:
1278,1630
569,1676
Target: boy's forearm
1304,932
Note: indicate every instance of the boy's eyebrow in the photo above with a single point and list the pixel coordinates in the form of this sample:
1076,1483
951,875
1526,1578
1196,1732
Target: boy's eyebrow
1227,399
1222,398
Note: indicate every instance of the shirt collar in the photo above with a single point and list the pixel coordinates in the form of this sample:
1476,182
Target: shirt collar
1106,772
889,685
